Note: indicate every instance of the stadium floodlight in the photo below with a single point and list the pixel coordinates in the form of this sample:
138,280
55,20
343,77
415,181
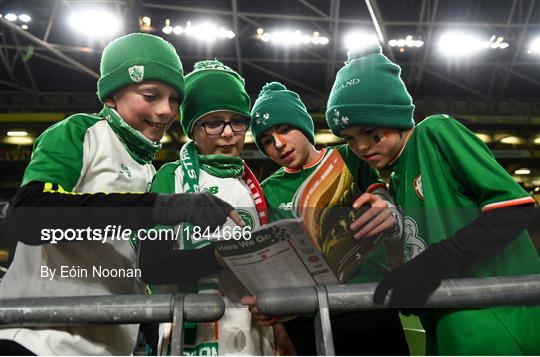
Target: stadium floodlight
205,31
178,30
18,140
168,28
289,37
486,138
357,39
326,137
145,24
455,44
95,23
522,171
497,42
25,17
10,17
408,41
24,26
512,140
19,133
534,47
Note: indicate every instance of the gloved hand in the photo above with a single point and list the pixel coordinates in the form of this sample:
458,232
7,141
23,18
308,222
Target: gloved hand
198,208
413,282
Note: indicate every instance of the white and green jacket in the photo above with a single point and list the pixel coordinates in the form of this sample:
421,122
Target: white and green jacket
237,332
80,155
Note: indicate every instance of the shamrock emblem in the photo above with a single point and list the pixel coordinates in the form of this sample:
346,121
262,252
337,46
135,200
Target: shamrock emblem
340,121
136,73
261,119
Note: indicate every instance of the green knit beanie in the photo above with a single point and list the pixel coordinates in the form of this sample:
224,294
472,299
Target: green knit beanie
277,106
212,87
139,57
368,91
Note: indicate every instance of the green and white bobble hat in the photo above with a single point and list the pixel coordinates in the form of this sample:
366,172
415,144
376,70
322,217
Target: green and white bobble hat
368,91
211,87
276,105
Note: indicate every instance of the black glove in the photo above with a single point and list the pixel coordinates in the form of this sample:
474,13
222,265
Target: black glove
412,283
199,208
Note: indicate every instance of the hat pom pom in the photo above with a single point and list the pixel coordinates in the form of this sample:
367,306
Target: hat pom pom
210,64
364,50
272,86
214,65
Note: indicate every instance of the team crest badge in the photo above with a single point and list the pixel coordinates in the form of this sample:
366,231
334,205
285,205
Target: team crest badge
246,217
419,187
413,245
136,73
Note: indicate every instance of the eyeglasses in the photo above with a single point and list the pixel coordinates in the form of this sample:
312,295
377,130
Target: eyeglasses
216,127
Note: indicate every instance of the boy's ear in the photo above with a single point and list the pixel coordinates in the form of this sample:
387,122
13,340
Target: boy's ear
110,102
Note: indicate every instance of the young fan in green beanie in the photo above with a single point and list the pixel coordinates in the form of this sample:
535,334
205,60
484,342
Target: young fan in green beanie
284,131
70,185
464,214
215,115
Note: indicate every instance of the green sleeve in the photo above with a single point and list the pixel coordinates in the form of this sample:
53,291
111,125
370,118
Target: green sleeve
163,181
57,156
366,176
475,166
273,214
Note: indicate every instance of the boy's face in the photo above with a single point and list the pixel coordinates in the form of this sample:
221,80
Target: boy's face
287,146
377,146
149,107
210,139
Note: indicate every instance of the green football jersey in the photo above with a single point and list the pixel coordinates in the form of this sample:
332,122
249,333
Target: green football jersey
280,187
443,179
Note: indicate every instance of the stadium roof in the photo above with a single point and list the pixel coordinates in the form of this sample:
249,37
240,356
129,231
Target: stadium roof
52,67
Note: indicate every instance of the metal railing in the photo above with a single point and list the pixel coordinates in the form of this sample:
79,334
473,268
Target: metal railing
454,293
114,309
319,300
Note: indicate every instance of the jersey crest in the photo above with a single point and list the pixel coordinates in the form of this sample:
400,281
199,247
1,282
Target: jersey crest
419,187
246,217
285,206
413,244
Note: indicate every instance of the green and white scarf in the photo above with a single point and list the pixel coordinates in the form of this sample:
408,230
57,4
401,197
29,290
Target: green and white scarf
223,167
216,165
139,146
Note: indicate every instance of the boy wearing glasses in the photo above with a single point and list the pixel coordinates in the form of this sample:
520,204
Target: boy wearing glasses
215,115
